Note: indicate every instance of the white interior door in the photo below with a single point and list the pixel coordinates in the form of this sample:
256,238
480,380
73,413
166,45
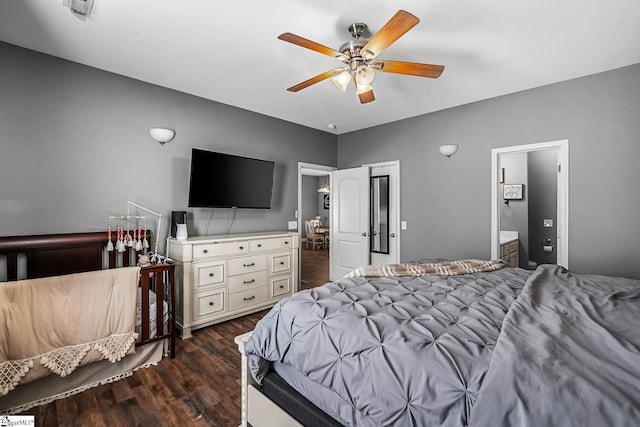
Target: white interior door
349,220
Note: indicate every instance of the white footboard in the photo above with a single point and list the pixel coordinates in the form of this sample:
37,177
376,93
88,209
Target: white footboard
257,409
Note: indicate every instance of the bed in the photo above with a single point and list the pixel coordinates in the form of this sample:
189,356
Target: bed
397,346
78,316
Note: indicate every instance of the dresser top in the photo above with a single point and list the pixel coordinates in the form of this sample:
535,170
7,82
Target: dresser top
236,236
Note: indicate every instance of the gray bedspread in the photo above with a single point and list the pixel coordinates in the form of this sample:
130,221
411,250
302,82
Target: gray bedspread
397,351
568,355
505,348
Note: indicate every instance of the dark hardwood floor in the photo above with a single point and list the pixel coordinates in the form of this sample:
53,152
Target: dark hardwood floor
200,387
314,267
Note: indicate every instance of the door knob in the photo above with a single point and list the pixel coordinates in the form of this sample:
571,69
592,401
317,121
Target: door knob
392,234
365,234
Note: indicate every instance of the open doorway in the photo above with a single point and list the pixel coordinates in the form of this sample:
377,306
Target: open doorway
530,204
314,207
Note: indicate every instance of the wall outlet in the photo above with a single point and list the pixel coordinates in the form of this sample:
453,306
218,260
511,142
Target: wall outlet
547,223
293,225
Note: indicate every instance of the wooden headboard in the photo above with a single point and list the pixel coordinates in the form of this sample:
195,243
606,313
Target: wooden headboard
57,254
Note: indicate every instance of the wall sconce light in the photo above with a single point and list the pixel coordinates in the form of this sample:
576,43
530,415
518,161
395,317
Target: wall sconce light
162,136
448,150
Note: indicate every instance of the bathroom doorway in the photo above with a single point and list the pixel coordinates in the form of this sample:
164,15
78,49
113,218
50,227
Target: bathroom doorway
530,197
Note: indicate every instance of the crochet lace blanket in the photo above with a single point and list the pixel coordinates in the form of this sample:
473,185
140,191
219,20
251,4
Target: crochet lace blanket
56,324
447,268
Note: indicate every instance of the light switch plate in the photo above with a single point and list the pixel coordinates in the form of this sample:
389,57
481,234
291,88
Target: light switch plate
547,223
403,225
293,225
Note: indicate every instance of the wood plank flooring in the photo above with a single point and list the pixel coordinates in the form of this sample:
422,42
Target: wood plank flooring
314,267
200,387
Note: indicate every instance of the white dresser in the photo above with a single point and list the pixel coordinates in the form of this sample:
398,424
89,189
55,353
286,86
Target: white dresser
222,277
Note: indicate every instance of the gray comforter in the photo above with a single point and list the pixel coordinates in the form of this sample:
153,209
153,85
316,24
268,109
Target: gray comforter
568,355
464,350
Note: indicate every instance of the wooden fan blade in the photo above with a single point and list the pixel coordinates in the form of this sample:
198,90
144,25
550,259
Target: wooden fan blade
411,68
317,47
316,79
397,26
366,97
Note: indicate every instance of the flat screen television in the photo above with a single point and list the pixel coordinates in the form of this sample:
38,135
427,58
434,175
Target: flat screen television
221,180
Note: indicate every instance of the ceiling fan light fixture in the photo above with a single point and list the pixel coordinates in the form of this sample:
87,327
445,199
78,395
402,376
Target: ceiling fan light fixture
342,80
359,56
360,89
364,75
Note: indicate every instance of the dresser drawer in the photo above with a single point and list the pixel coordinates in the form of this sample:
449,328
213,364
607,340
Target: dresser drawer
271,244
208,303
209,273
243,282
248,298
247,264
279,262
208,250
280,285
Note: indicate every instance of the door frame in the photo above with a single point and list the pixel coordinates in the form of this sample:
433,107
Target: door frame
562,230
309,169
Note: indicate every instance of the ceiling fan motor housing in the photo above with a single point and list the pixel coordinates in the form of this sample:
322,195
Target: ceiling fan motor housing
352,50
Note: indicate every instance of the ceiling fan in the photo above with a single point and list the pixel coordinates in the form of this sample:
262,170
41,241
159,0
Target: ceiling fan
359,56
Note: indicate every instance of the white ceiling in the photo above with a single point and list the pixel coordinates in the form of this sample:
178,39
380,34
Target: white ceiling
229,52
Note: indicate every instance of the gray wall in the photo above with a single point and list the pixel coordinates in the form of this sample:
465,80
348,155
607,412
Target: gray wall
446,202
74,147
543,195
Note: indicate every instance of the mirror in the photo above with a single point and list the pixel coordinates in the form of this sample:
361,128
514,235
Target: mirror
379,236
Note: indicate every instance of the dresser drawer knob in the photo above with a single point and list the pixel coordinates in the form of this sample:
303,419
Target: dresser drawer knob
204,251
211,274
281,262
211,303
259,245
281,287
286,243
246,282
249,265
241,247
249,298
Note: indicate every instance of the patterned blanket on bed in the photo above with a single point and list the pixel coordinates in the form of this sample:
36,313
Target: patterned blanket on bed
447,268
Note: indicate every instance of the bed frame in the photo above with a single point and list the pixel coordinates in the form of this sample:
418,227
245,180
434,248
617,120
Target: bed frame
37,256
275,403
